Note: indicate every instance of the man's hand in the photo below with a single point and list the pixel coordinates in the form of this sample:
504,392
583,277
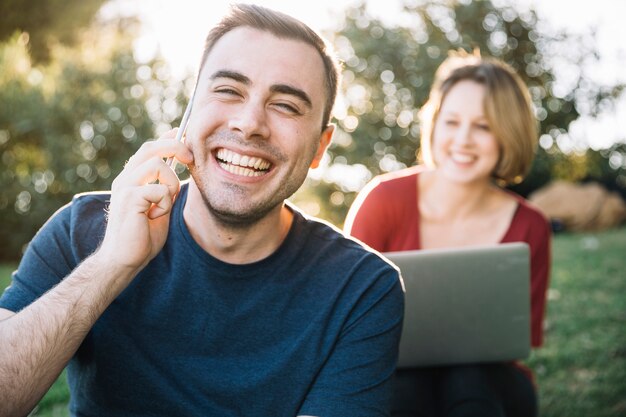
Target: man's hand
38,341
142,196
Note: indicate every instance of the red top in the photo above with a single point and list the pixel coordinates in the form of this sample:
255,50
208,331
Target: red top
385,216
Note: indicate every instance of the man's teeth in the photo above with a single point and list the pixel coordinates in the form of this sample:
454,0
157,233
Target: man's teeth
237,170
244,165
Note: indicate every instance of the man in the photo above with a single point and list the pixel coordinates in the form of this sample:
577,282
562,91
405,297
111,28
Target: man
215,298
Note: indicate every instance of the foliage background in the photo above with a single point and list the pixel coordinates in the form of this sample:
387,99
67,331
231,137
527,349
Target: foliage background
69,124
389,70
76,103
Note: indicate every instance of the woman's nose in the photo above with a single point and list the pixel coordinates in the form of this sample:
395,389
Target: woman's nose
463,135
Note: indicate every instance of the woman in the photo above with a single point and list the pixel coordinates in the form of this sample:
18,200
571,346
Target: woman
478,134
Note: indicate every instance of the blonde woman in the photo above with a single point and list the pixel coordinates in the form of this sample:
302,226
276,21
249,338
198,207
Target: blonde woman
478,134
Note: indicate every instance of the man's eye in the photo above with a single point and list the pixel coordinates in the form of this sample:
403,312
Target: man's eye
288,107
227,91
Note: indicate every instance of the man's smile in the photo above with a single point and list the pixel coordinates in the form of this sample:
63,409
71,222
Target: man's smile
244,165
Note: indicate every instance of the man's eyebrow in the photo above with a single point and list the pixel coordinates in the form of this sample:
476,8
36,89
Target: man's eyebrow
287,89
276,88
233,75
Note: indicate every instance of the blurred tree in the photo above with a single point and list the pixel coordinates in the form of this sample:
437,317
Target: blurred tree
389,71
70,125
46,22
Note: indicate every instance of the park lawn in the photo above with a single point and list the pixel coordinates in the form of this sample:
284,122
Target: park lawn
581,370
5,275
54,404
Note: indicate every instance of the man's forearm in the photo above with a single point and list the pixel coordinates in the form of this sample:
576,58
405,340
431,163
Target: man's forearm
37,342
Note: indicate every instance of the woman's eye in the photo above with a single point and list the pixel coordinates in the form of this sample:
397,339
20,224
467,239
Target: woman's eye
451,122
483,127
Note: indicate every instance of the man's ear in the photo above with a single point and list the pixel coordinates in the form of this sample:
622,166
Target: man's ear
324,141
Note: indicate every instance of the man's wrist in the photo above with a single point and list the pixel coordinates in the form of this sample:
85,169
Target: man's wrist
104,267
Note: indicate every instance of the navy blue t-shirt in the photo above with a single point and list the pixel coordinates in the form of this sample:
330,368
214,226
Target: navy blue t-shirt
313,329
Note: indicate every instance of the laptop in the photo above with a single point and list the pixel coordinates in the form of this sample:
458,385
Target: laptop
465,305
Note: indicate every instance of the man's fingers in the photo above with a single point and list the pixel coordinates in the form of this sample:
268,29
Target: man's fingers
170,134
155,170
150,171
159,209
147,185
165,147
154,199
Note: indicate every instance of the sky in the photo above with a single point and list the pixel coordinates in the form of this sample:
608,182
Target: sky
176,29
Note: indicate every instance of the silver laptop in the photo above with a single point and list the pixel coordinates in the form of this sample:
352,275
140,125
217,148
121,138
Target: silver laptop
465,305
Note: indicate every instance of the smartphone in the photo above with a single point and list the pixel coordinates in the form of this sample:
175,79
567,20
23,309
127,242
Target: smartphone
183,123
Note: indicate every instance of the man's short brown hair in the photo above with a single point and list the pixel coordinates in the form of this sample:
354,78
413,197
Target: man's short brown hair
282,26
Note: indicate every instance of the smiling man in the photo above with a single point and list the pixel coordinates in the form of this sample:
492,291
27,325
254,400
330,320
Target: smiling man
214,297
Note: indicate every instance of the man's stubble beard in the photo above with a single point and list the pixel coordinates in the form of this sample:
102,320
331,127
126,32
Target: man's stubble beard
243,217
228,215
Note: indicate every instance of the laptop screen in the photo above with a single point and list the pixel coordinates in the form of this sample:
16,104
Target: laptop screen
465,305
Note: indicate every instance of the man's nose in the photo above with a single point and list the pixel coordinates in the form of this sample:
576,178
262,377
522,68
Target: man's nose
250,119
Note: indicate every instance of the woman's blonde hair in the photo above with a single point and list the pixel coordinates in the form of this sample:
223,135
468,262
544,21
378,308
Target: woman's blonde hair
507,106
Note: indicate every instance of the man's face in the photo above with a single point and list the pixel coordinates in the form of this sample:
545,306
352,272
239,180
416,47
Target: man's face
255,126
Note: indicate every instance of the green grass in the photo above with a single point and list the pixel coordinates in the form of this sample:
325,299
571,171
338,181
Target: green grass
5,275
54,403
581,370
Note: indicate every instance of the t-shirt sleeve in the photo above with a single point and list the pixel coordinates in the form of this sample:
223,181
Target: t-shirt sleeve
356,380
366,219
69,236
48,258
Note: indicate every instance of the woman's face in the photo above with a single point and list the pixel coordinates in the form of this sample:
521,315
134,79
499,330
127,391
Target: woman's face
464,148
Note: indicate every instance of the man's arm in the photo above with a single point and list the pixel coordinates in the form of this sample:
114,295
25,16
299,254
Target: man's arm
5,314
37,342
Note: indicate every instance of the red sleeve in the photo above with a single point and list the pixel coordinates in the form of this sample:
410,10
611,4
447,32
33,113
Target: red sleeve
384,214
540,263
367,215
530,226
